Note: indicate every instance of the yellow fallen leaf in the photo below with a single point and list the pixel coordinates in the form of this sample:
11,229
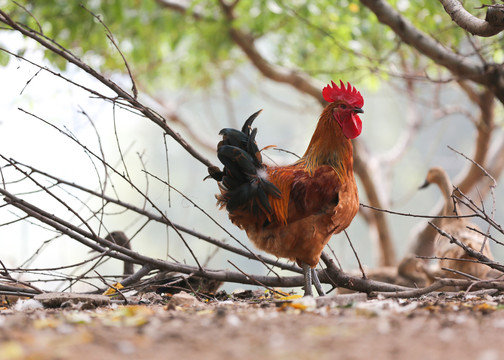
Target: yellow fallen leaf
205,312
322,330
431,308
78,318
279,294
299,306
129,315
111,291
290,297
301,303
484,307
11,350
46,323
130,310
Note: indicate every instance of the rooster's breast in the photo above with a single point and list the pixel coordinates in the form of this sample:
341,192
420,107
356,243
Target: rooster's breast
304,239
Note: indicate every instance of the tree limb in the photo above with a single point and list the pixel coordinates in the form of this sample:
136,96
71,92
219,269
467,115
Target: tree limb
469,22
386,250
344,280
485,128
458,64
490,75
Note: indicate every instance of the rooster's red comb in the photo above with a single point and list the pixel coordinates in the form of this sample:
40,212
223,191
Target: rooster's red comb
349,94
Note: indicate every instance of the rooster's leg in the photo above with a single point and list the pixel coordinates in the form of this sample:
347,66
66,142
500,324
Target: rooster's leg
307,272
317,283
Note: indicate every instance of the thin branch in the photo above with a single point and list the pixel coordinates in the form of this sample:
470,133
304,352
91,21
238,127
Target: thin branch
115,288
420,216
71,58
469,251
354,283
151,203
356,255
31,15
486,234
158,218
121,155
110,36
213,220
458,272
50,194
255,280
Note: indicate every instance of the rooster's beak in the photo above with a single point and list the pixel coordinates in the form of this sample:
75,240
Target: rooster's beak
358,111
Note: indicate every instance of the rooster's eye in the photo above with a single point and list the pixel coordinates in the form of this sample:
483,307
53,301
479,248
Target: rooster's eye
343,106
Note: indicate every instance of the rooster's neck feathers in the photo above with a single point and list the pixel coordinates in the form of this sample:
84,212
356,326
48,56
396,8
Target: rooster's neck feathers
328,146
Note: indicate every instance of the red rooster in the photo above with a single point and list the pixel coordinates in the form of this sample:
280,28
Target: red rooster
292,211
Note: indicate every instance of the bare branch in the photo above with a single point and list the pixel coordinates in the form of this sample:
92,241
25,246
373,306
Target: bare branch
353,283
280,74
459,65
469,251
356,255
161,219
441,283
458,272
110,36
467,21
132,101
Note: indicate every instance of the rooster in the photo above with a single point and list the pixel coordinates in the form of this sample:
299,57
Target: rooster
292,211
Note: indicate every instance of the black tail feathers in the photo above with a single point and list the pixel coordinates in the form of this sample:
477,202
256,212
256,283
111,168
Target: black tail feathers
243,179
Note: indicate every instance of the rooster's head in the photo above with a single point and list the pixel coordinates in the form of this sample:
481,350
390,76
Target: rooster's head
347,103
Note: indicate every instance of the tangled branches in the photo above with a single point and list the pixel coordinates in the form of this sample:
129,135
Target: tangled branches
87,214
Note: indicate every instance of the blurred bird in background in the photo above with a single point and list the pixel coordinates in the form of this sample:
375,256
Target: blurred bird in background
451,255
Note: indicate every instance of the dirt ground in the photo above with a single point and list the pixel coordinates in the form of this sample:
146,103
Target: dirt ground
438,326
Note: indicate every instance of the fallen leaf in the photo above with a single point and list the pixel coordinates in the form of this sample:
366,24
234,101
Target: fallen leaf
129,315
289,297
78,318
484,308
46,323
11,350
112,291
